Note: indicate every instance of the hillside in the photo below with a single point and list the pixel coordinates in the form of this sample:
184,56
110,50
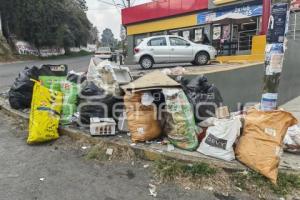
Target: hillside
5,51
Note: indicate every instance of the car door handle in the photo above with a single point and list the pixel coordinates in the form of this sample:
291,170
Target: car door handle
172,49
151,49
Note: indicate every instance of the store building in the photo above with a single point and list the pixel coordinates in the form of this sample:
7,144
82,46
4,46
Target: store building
193,20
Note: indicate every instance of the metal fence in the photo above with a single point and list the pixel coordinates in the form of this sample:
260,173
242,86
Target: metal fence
294,26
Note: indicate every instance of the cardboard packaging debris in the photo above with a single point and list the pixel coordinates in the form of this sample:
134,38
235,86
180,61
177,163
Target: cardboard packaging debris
260,145
142,120
153,80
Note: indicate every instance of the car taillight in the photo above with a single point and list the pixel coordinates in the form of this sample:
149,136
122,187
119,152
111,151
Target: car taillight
136,50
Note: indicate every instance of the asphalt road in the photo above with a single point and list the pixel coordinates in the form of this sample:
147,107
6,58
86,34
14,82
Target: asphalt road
58,171
8,72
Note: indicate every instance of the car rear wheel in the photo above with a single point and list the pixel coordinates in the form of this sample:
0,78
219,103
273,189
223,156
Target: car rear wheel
146,62
202,58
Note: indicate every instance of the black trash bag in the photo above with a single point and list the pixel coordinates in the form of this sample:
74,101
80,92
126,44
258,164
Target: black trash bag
76,78
204,97
20,94
53,70
94,102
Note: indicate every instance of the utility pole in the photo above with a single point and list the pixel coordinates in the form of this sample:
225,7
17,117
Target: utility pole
0,26
275,49
128,3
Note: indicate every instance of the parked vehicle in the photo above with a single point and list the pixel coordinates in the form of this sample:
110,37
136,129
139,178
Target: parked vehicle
172,49
104,53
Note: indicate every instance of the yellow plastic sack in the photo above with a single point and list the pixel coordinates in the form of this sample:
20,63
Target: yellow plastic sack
45,114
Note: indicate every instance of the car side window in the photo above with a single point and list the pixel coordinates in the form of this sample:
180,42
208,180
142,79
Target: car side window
158,42
174,41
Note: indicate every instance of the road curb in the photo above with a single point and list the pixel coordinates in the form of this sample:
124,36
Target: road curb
141,151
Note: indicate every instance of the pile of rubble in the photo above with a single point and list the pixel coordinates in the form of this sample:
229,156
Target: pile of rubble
165,106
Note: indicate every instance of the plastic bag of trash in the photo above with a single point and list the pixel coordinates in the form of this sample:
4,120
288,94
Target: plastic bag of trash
76,77
204,97
142,119
20,94
260,146
94,102
103,76
52,76
220,138
44,114
178,120
70,100
292,139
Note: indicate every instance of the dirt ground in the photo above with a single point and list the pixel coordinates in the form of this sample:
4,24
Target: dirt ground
60,170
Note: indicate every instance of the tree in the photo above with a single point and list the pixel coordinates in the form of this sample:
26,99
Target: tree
94,36
107,38
82,4
44,23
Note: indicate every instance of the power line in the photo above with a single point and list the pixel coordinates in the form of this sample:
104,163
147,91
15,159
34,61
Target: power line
108,3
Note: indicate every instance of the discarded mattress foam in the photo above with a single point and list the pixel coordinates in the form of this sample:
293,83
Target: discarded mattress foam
220,138
260,145
108,76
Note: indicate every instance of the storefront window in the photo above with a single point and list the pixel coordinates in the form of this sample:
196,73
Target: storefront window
186,34
198,35
226,32
217,33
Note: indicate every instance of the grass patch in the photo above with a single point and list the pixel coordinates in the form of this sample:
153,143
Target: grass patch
168,170
98,152
15,57
286,183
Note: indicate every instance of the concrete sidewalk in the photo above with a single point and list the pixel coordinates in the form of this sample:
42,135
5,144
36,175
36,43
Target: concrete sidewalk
293,106
154,150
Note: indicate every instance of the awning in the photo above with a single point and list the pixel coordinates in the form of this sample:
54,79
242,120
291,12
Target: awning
232,18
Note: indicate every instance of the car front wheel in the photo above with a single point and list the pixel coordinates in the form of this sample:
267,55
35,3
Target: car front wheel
202,58
146,62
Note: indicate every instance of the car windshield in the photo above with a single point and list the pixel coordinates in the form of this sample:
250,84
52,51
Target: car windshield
104,49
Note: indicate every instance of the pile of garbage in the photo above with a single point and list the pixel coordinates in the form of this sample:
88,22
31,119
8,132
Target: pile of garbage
190,114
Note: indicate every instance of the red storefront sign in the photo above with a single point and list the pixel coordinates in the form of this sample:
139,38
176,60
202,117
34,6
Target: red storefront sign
160,9
295,5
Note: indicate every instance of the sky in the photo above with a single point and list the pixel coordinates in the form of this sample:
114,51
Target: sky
103,15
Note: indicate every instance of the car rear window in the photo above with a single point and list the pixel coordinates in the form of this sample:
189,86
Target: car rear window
158,42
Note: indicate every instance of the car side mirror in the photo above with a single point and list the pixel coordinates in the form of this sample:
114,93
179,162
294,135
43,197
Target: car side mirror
188,44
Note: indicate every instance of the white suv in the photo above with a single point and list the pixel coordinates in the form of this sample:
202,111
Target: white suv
172,49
